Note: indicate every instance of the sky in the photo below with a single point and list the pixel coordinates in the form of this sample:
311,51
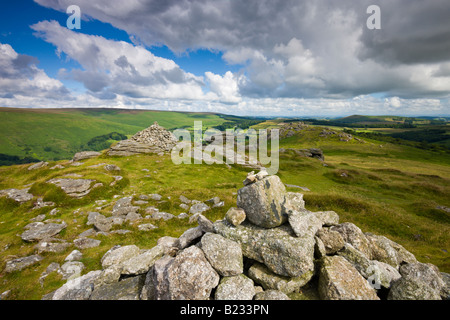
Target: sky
292,58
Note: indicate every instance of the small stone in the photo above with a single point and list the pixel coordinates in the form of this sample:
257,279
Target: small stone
237,287
85,243
235,216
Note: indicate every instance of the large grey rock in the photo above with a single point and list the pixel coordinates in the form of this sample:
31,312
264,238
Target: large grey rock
307,223
278,248
410,289
17,195
22,263
86,243
294,201
189,236
419,281
353,235
42,231
269,280
77,288
263,202
85,155
126,289
377,273
223,254
205,224
446,290
188,276
339,280
118,254
76,188
124,206
141,263
238,287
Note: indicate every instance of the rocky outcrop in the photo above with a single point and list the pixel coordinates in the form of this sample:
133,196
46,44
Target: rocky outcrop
83,155
264,257
76,188
17,195
39,231
154,139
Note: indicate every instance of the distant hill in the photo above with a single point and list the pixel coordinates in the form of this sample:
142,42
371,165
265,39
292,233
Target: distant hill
56,134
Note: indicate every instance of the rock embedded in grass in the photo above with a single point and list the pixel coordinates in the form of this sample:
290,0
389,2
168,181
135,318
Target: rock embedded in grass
22,263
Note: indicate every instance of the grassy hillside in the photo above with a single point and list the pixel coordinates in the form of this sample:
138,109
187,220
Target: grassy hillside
56,134
384,188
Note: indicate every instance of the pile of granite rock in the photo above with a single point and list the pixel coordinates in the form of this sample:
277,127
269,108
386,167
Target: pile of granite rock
266,248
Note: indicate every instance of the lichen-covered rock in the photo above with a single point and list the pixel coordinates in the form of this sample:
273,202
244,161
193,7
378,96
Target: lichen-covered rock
269,280
377,273
278,248
189,236
263,202
40,231
79,288
235,216
353,235
205,224
126,289
22,263
238,287
76,188
141,263
118,254
339,280
410,289
332,240
188,276
388,251
419,281
307,223
294,201
223,254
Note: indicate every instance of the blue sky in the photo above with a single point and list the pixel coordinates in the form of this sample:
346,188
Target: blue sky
278,57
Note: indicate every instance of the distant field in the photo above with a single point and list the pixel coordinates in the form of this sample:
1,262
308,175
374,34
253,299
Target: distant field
384,188
55,134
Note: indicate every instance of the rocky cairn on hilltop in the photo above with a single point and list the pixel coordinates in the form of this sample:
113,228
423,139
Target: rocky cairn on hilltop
265,248
154,139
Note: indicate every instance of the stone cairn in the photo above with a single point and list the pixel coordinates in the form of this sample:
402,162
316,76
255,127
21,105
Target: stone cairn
154,139
266,248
